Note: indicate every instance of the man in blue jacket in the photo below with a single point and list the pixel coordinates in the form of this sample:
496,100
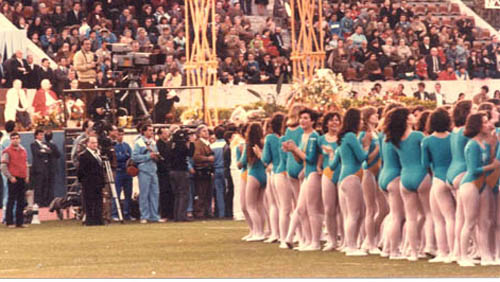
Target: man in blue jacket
122,179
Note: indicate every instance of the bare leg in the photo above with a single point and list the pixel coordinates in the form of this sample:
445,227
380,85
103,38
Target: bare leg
272,208
285,196
254,194
397,216
369,186
423,193
314,208
351,189
329,195
485,223
469,198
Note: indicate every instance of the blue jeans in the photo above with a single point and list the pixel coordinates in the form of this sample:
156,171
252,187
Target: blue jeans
191,194
220,188
149,194
123,181
5,198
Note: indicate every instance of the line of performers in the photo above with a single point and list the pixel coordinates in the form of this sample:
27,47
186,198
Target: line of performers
399,186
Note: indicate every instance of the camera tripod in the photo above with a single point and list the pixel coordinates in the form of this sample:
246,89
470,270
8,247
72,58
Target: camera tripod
135,97
111,183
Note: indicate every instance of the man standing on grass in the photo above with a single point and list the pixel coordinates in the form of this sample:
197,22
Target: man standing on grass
145,155
15,168
10,126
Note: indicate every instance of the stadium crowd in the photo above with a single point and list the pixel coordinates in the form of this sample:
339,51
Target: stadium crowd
376,40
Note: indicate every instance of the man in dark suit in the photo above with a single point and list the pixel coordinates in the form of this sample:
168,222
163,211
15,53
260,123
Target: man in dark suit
425,46
203,164
91,175
53,157
421,94
434,65
3,74
75,16
31,79
40,169
61,77
102,107
277,40
17,69
45,72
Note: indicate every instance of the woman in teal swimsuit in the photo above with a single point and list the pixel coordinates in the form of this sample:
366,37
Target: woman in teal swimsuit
389,181
243,183
436,155
272,154
309,205
375,203
352,154
415,181
477,128
329,179
256,180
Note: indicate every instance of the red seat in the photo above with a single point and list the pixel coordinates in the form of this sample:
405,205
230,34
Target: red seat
432,9
455,9
420,10
443,9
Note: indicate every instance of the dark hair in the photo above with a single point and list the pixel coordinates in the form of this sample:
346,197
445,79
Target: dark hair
352,120
38,131
121,130
417,108
253,137
277,123
391,106
422,121
367,112
473,124
312,114
243,128
461,111
487,107
13,134
439,121
85,124
219,132
485,88
421,84
160,130
329,116
145,127
395,125
10,126
48,135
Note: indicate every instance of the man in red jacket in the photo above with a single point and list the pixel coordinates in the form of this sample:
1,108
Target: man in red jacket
15,168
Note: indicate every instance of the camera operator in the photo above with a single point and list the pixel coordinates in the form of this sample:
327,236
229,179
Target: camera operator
102,108
166,205
145,155
203,164
180,147
85,63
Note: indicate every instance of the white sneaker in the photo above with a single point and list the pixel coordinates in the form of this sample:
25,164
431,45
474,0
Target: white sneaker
283,245
144,221
437,259
374,251
412,258
450,259
465,263
397,257
256,238
328,247
487,262
384,254
271,240
310,248
496,262
244,238
356,253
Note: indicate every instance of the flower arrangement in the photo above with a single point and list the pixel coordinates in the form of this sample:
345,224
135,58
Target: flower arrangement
322,91
54,119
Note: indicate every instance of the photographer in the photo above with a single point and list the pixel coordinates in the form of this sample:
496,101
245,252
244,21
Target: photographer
145,155
180,147
203,164
102,107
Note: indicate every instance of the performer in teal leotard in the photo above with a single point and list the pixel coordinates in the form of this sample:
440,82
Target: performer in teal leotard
272,153
243,182
415,182
329,179
478,128
457,143
352,154
256,180
376,207
309,205
436,155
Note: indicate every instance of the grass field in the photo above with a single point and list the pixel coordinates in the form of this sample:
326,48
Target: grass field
208,249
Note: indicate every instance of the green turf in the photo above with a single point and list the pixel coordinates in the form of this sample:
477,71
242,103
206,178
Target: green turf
211,249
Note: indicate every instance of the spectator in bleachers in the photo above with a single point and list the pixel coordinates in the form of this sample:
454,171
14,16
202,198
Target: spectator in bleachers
372,68
434,65
462,73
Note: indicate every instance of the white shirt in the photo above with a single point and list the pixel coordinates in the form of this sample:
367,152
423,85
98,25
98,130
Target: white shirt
49,101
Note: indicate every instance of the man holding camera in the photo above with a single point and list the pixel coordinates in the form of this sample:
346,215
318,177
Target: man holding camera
145,155
179,148
203,164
